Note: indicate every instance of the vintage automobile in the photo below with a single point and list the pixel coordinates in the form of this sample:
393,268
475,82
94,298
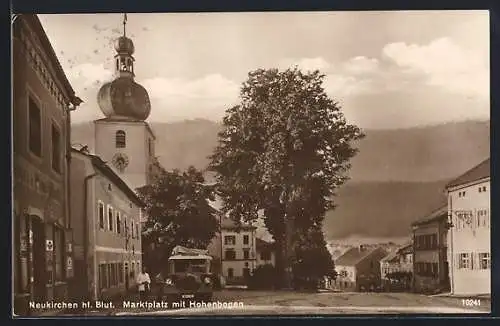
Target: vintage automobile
188,276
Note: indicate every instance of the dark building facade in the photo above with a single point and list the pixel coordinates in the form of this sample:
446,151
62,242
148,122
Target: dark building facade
430,263
42,101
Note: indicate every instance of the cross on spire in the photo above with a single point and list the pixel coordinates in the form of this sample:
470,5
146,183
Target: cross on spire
124,23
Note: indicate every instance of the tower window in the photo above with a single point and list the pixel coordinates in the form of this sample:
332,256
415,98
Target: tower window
120,139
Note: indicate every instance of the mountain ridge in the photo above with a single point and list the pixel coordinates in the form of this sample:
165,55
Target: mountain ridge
397,176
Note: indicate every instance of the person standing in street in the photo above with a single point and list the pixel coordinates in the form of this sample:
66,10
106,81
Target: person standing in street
144,283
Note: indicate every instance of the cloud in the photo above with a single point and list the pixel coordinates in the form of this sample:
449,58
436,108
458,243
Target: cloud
307,64
444,64
177,98
208,87
89,74
361,65
340,85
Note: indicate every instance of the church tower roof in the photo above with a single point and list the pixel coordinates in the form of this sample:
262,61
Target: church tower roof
124,98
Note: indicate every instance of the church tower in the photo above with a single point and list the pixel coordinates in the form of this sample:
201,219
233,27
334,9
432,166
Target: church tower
123,138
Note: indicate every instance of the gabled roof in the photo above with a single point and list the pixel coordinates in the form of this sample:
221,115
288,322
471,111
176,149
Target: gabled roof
229,224
104,168
390,257
438,214
406,249
354,255
480,171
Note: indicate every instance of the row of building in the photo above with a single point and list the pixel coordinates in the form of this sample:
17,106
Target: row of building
76,216
449,249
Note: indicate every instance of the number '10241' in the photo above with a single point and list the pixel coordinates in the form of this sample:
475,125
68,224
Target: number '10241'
471,302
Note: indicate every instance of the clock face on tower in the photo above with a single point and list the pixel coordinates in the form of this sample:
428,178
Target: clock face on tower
120,161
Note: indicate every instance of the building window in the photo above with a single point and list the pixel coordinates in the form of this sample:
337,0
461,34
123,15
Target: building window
483,218
265,255
137,234
120,273
484,260
118,223
59,253
464,261
150,146
245,239
230,240
246,254
56,149
434,269
230,273
246,272
35,128
230,254
120,139
125,226
110,218
103,276
100,209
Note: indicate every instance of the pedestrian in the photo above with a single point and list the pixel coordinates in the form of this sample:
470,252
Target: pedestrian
143,283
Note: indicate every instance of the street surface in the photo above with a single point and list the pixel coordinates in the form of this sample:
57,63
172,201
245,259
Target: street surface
294,303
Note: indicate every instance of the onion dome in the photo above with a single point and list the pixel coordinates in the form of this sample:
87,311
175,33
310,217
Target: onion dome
123,97
124,45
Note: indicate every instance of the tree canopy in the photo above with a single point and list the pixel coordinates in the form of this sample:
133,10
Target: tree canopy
178,208
283,150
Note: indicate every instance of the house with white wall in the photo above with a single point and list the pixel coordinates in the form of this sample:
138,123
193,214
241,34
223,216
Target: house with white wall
107,231
358,269
469,252
266,252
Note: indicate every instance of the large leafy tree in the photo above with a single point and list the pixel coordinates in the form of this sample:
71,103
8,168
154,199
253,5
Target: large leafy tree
179,213
284,150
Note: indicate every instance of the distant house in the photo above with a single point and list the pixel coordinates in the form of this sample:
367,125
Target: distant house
266,252
430,264
234,249
469,236
358,269
396,269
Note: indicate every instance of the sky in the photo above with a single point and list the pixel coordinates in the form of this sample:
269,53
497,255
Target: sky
387,69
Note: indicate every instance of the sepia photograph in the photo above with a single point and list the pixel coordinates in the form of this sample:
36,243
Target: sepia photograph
251,163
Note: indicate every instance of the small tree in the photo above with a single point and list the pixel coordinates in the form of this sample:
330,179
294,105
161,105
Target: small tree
179,213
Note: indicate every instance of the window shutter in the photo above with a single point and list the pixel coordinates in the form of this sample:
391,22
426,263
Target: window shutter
457,261
472,261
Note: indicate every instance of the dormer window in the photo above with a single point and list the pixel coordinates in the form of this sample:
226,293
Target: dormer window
120,139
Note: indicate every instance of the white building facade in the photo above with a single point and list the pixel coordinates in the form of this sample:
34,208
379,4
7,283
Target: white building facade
107,238
469,253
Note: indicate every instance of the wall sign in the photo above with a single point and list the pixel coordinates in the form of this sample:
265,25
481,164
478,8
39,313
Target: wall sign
49,245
